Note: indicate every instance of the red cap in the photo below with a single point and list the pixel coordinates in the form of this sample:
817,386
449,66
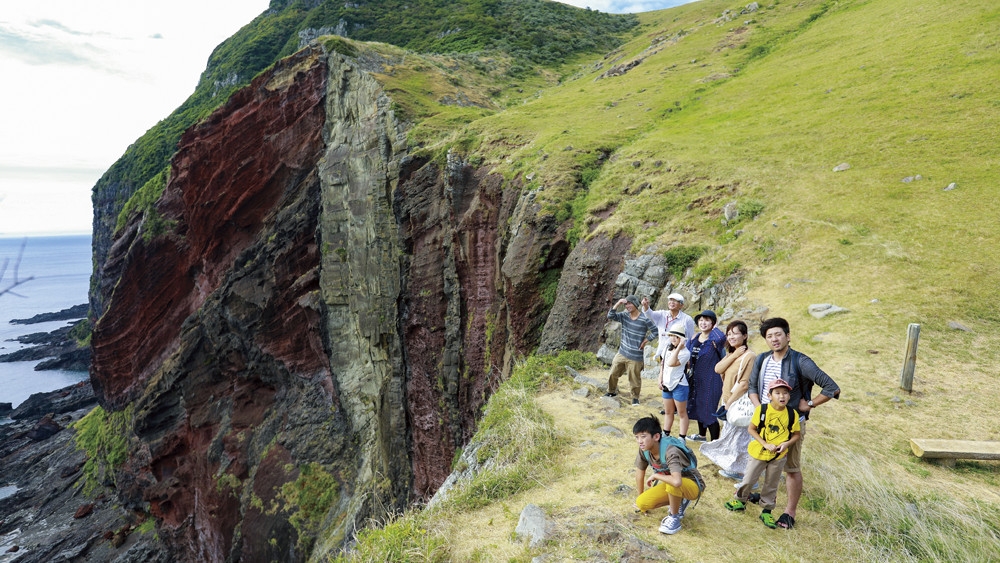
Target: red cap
778,383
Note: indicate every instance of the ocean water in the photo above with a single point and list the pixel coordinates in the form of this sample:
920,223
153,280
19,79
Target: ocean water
60,270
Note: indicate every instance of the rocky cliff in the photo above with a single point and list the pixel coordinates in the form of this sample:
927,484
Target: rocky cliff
309,320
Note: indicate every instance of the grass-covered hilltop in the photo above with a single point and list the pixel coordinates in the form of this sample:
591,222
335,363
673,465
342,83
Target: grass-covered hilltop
806,152
508,38
714,104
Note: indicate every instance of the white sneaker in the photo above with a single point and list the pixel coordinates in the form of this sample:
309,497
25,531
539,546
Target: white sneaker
670,525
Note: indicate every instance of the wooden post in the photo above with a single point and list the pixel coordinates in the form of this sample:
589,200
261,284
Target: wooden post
910,361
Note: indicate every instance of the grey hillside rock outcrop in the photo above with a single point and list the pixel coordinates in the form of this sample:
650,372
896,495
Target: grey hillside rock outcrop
586,289
648,276
822,310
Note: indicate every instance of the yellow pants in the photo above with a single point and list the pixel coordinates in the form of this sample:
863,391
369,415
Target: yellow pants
659,494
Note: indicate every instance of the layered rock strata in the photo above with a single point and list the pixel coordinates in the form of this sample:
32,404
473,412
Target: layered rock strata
307,324
310,314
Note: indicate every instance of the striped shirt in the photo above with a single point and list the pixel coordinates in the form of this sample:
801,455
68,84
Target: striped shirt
633,333
770,371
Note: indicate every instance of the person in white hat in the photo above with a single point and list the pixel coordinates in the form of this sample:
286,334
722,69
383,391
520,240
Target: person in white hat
663,320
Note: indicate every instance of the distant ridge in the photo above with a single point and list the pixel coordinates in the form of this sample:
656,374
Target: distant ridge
532,31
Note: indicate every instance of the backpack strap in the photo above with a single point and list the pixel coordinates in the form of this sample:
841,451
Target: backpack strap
672,441
663,450
648,458
792,413
763,416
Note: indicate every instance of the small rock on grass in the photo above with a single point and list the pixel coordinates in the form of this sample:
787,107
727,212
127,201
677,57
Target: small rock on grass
821,336
533,525
582,392
610,430
820,310
841,167
638,550
602,532
955,325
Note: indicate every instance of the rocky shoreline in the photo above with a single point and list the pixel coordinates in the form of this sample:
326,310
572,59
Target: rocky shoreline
46,516
58,349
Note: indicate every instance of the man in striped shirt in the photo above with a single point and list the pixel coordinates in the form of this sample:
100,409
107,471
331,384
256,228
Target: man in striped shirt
802,374
636,330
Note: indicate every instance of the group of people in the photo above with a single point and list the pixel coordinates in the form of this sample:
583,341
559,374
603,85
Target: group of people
704,372
688,357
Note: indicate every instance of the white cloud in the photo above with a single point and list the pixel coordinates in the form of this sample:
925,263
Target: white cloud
625,6
83,80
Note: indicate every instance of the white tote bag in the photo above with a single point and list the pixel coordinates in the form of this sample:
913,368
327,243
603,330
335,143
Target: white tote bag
742,410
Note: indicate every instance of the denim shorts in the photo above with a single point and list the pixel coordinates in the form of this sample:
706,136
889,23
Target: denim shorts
679,394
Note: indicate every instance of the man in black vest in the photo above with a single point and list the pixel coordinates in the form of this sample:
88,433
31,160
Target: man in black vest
801,373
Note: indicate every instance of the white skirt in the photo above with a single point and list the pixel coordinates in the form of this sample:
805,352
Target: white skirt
729,452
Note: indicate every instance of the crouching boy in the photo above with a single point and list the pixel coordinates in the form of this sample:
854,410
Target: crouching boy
675,480
774,428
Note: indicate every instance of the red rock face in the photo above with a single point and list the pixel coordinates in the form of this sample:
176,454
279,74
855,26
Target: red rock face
455,329
431,353
477,239
227,179
213,333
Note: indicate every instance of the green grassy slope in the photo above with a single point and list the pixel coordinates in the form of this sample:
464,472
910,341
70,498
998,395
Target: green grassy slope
758,110
765,111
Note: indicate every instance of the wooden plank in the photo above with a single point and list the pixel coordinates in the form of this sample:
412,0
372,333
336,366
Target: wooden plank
954,449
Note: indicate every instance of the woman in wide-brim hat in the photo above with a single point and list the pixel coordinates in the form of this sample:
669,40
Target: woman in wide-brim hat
706,348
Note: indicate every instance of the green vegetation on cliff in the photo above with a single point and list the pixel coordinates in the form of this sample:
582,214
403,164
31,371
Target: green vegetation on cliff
308,499
104,437
532,32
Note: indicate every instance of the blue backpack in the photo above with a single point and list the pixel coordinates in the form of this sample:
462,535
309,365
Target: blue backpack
666,442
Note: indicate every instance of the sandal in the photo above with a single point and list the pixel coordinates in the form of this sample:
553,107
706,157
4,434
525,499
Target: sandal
736,504
768,519
787,522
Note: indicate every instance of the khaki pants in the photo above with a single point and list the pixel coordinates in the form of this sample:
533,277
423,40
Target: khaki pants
619,366
772,476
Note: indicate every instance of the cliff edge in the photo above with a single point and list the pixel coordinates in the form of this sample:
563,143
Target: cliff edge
308,321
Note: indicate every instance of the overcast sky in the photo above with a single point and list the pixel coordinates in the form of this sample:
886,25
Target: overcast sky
84,78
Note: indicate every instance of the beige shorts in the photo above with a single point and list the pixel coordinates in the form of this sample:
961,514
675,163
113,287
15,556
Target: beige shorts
793,463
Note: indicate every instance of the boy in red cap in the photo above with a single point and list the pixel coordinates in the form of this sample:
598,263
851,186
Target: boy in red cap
774,428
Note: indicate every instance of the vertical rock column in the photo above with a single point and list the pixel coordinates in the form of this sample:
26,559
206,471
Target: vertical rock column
360,284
